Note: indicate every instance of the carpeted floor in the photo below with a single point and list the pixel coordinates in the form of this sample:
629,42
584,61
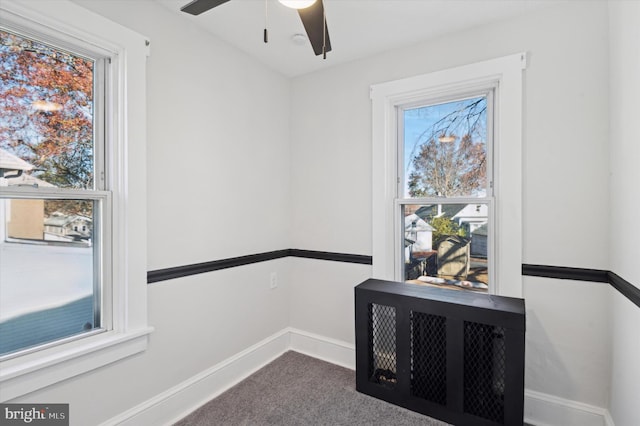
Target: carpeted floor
299,390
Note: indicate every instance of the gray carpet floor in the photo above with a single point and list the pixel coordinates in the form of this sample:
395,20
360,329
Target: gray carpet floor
299,390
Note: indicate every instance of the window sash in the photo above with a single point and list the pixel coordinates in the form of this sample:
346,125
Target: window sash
102,249
487,91
102,232
101,87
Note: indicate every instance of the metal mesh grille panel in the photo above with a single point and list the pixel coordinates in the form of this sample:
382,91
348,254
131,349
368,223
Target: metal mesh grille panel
429,357
484,371
382,345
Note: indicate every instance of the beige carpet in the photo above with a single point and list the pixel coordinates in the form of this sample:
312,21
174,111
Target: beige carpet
299,390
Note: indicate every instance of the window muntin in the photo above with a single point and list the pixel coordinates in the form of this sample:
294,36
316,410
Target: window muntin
51,142
444,195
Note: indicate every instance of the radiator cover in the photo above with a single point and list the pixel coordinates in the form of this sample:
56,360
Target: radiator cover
453,355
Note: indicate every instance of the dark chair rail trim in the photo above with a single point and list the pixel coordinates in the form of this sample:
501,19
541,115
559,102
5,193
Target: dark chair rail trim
625,288
216,265
336,257
565,273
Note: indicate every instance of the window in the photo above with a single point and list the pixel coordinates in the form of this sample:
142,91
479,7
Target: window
72,194
447,177
444,195
52,145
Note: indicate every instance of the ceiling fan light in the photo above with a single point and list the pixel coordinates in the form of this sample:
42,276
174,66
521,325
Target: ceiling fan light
299,39
46,106
447,138
297,4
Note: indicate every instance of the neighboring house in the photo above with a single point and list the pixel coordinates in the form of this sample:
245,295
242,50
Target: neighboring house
12,166
12,169
419,235
21,219
468,216
25,218
479,242
60,227
472,216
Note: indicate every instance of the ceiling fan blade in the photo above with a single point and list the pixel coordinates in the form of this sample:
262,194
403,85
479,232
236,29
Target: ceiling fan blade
196,7
315,26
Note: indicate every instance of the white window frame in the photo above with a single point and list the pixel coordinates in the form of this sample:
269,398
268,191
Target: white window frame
505,74
126,101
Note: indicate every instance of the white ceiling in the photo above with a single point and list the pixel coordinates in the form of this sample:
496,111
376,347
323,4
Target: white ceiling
358,28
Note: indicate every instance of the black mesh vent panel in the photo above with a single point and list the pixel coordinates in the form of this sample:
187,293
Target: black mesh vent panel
429,357
382,345
484,371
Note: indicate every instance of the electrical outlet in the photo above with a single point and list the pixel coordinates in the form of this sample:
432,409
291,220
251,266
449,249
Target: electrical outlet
273,280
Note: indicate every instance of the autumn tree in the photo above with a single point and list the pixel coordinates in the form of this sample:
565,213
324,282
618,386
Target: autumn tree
452,159
46,105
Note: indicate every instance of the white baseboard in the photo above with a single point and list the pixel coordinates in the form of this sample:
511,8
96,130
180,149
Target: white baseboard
608,420
175,403
330,350
170,406
541,409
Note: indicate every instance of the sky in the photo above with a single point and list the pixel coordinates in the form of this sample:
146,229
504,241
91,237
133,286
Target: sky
419,126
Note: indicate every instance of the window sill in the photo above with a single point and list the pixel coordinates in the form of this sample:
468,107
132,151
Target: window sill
28,373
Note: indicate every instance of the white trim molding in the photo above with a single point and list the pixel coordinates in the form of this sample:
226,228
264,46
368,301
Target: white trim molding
506,74
330,350
541,409
174,404
81,356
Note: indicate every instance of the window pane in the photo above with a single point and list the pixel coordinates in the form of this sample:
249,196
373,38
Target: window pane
445,149
47,275
446,245
46,119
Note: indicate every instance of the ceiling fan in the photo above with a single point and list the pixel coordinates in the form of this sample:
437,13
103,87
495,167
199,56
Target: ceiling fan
311,13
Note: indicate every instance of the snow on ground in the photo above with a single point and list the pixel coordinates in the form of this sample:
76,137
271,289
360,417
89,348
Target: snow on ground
35,277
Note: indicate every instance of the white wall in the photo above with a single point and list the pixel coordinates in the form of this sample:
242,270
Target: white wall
624,33
565,181
322,299
218,187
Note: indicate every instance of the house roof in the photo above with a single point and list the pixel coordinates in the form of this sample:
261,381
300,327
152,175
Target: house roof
431,211
62,220
420,224
8,161
28,180
479,210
